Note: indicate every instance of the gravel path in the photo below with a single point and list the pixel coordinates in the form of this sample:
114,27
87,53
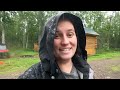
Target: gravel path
102,68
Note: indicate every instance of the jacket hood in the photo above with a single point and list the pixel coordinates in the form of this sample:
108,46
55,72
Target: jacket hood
46,42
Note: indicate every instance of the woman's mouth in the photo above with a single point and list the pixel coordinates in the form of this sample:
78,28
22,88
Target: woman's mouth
65,50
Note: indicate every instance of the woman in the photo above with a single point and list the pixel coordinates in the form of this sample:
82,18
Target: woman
62,51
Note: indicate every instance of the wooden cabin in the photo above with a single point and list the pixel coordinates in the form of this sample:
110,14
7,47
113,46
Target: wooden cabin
36,47
91,41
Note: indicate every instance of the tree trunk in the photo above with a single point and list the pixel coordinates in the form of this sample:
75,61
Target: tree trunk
3,36
27,42
3,31
24,38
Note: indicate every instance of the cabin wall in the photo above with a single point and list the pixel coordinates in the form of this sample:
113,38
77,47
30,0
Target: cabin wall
36,47
91,44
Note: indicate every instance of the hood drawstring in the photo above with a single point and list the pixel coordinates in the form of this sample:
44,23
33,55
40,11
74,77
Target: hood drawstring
53,69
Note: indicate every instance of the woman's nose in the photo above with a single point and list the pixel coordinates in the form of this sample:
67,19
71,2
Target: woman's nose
65,41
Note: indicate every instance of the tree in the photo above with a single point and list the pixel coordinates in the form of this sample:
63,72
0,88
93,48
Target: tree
2,15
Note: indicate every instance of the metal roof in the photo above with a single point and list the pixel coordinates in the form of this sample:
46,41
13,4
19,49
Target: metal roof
90,31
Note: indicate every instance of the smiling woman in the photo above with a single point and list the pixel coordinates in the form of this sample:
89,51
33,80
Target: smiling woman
65,44
62,51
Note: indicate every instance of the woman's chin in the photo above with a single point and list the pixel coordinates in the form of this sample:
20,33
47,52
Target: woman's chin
66,58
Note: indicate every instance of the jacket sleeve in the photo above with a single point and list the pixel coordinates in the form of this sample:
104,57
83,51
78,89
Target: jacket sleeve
32,73
28,74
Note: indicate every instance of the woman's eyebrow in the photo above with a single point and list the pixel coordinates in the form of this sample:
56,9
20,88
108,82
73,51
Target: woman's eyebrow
67,30
70,30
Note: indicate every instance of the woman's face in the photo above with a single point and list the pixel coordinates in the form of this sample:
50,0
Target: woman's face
65,41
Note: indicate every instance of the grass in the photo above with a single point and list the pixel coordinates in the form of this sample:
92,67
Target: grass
115,68
19,52
17,63
104,55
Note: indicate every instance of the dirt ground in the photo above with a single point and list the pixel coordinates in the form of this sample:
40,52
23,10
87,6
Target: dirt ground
102,70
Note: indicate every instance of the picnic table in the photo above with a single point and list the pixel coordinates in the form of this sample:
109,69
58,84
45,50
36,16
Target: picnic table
3,51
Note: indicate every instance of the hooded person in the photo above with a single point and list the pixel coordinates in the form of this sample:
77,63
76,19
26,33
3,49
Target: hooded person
62,51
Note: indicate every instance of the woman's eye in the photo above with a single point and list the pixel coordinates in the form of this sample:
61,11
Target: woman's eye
70,35
57,36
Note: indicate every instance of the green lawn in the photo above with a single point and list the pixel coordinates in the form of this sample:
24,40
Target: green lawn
19,52
17,62
104,55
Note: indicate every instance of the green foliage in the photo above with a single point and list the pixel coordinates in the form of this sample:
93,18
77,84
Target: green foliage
24,28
